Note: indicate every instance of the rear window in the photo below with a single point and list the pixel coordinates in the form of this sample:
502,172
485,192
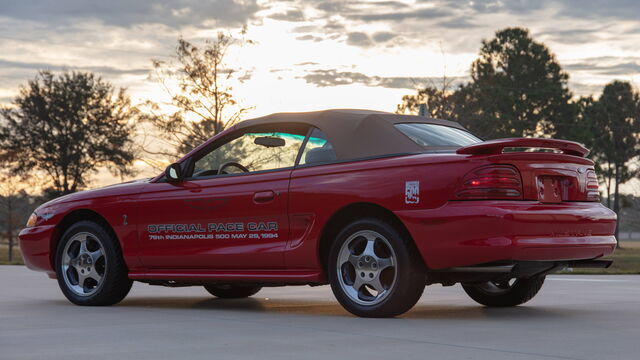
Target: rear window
437,135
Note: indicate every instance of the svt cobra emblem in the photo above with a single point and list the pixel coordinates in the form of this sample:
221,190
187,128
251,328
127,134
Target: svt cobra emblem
412,192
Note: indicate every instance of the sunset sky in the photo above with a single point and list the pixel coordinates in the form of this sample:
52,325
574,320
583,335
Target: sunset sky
313,54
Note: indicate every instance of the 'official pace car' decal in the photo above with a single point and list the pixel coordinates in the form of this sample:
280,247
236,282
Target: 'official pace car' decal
412,192
232,230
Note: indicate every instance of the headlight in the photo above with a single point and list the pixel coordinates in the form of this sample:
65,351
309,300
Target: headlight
32,220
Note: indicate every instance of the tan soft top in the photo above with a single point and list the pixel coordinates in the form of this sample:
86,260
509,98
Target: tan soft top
356,133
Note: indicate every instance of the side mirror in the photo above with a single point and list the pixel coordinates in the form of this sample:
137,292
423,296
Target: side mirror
174,173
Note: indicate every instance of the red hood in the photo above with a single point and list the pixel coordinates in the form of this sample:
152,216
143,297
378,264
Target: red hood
125,188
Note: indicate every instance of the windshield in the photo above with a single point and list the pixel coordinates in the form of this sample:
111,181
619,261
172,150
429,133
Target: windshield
428,135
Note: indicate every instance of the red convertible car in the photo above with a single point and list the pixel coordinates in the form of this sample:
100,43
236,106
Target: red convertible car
376,204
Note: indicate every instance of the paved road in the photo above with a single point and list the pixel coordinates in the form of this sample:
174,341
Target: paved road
574,317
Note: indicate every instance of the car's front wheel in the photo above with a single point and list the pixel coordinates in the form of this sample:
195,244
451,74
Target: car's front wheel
89,266
505,293
373,270
232,291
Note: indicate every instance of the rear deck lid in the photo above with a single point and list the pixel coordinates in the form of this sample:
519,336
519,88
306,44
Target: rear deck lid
559,174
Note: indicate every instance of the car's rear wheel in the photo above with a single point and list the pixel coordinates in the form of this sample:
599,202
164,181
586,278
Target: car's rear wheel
232,291
373,270
505,293
89,266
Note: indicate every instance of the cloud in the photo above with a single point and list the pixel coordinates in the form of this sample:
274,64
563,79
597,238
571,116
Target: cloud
607,65
457,23
572,36
294,15
343,7
358,39
126,13
309,37
333,6
101,70
511,6
425,13
307,63
599,9
383,36
585,89
334,77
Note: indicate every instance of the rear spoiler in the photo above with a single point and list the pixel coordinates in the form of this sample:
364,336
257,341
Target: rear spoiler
493,147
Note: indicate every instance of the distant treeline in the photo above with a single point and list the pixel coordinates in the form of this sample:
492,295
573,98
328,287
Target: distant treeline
61,128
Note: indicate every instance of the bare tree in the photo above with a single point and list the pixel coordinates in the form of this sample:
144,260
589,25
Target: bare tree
438,96
204,96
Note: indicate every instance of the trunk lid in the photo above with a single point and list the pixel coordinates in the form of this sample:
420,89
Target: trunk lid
549,177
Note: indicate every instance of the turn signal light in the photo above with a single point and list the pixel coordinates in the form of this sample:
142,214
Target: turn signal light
500,182
32,220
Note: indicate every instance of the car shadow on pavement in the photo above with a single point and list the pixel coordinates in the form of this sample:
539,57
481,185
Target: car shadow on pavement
469,312
329,308
257,304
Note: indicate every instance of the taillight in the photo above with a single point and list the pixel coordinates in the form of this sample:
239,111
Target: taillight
593,189
491,182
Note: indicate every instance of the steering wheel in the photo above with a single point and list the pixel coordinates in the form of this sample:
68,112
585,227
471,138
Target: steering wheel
234,164
205,173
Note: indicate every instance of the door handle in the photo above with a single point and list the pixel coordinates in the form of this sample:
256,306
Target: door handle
263,196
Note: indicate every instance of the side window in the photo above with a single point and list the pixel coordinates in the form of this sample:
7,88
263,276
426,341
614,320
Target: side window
318,149
253,151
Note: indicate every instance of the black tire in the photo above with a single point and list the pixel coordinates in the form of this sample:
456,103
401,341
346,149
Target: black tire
114,284
409,281
232,291
521,291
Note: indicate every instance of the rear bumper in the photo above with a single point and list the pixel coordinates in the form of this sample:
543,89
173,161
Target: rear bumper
463,233
35,248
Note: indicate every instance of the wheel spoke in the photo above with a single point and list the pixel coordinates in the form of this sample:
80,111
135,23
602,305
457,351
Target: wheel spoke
96,255
95,276
376,284
369,249
66,258
353,260
357,283
81,279
384,263
83,246
68,271
75,263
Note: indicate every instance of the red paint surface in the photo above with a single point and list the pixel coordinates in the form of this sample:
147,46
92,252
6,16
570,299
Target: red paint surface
447,233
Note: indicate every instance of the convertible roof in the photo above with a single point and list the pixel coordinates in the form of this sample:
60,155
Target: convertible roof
356,133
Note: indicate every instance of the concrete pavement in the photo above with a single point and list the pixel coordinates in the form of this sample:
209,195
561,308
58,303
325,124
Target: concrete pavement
573,317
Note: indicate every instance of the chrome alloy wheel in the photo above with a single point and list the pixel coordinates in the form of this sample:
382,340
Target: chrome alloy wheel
84,264
367,267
